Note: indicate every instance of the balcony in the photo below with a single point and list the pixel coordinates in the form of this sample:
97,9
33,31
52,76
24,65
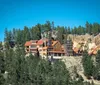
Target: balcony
33,47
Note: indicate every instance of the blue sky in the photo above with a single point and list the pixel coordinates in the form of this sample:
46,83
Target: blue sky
20,13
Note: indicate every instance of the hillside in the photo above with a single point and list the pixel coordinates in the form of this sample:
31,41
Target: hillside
74,64
87,42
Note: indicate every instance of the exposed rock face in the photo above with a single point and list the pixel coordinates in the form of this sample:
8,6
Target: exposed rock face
73,64
86,42
46,33
80,38
96,40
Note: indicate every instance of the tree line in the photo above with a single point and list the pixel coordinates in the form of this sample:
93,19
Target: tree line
19,36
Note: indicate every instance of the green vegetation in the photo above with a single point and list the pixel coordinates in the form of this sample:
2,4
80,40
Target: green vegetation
32,70
91,68
2,69
19,37
88,65
17,69
97,66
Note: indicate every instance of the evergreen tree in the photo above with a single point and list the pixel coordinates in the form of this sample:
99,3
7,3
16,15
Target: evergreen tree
48,25
18,38
60,73
26,33
32,62
87,64
8,38
97,71
2,69
60,34
16,67
69,30
88,28
10,67
95,28
36,33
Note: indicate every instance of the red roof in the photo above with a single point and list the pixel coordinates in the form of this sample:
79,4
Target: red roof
34,41
28,43
40,42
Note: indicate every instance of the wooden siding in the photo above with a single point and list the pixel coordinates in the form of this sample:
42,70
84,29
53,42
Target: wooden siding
57,47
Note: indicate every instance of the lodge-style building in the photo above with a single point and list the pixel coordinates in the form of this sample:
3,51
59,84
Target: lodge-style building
45,47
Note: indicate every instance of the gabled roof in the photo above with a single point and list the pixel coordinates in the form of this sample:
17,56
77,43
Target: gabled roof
40,42
54,42
34,41
28,43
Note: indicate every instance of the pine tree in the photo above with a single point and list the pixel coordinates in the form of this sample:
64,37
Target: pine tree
87,64
36,33
97,73
60,73
26,33
88,28
10,67
8,38
2,69
60,34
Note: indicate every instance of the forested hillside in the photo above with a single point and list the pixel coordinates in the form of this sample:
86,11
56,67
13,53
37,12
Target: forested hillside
19,36
17,69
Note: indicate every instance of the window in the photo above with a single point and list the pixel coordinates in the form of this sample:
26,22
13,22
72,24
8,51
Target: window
27,47
55,54
33,49
59,54
33,46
